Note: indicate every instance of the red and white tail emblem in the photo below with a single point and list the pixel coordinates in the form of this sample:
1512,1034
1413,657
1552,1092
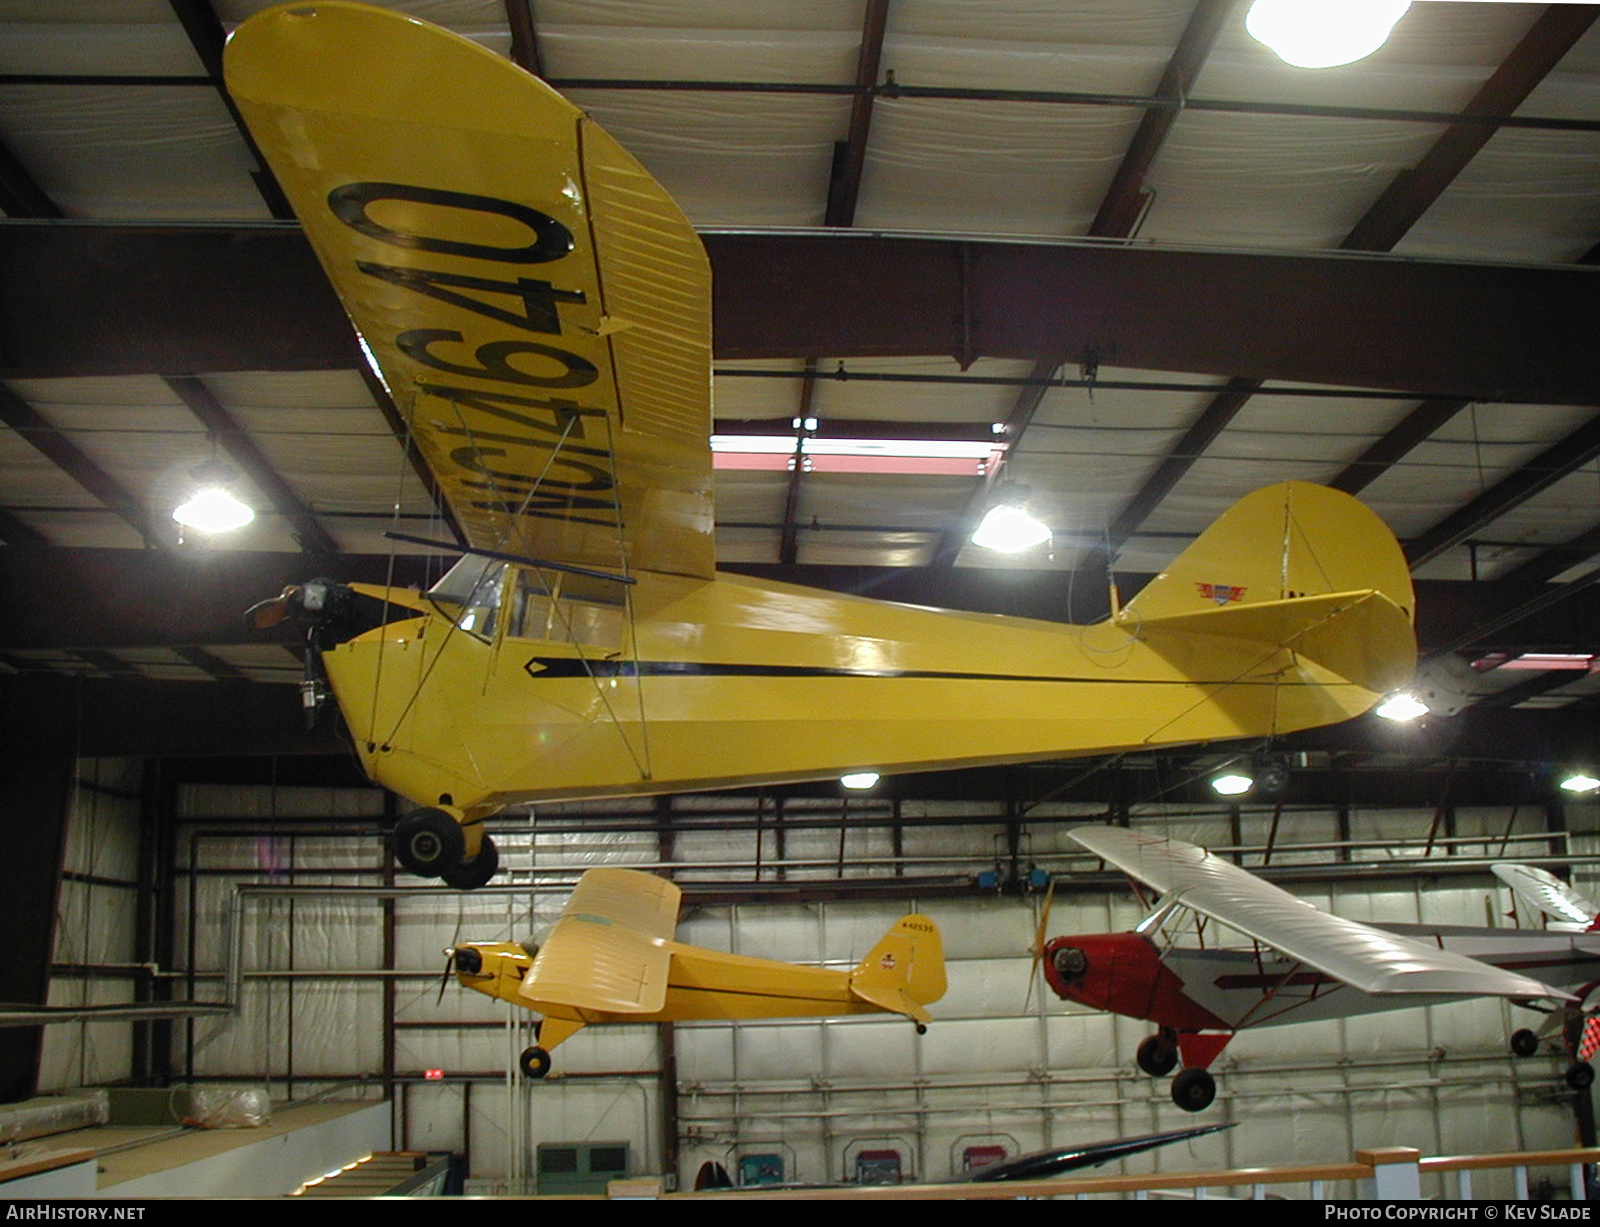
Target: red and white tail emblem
1221,593
1590,1043
887,962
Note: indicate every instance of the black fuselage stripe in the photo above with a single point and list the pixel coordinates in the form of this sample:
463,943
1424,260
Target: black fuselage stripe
565,667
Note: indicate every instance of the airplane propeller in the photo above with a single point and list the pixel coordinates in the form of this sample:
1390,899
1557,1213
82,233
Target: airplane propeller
444,980
1038,943
323,607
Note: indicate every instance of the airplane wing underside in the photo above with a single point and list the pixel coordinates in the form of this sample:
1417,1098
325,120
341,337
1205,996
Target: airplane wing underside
1368,959
609,950
537,306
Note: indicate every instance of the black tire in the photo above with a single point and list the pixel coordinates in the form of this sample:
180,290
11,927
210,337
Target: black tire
1194,1089
428,842
1524,1043
469,875
1156,1056
535,1062
1580,1075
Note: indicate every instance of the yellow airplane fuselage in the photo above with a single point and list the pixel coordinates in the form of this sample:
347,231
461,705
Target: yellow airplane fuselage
703,985
737,681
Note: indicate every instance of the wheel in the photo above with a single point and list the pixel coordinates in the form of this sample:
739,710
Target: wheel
428,842
469,875
1194,1089
535,1062
1156,1056
1580,1075
1524,1043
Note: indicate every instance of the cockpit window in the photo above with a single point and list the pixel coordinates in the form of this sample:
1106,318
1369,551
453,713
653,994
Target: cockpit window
567,608
469,594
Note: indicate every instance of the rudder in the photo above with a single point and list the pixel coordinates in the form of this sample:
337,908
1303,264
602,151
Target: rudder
905,971
1294,539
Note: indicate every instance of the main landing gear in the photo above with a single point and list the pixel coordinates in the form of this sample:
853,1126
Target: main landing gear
1579,1075
535,1062
431,844
1194,1088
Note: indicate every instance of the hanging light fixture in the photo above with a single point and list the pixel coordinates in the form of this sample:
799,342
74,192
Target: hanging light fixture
1264,776
860,780
212,507
1232,784
1007,526
1323,33
1401,706
1580,783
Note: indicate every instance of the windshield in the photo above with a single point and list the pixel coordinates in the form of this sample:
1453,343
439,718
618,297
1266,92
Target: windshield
469,594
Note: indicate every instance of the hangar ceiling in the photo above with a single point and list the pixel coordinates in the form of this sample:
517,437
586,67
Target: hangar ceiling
1148,264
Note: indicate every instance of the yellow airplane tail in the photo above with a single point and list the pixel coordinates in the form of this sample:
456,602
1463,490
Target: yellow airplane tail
1298,567
905,971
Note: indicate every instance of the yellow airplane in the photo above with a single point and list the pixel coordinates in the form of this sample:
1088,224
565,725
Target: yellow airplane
539,309
611,958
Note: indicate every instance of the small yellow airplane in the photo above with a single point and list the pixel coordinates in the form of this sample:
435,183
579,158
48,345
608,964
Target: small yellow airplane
611,958
539,309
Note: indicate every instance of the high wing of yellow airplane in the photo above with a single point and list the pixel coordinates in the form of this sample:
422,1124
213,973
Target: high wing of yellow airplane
611,958
539,310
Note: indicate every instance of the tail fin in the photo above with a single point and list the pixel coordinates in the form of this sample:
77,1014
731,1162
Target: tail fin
905,970
1298,566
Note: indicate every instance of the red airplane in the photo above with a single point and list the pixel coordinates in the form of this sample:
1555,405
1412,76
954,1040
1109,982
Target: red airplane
1284,961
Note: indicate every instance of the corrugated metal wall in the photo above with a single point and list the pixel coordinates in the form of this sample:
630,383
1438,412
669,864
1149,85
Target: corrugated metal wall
315,1009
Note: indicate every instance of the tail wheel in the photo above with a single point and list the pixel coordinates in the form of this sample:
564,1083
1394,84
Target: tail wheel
535,1062
1580,1075
428,842
469,875
1157,1056
1194,1089
1524,1043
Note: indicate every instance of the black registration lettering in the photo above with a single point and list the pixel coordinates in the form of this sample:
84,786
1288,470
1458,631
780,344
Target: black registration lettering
538,298
494,359
551,240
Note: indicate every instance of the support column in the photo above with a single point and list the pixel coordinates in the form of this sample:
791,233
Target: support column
34,793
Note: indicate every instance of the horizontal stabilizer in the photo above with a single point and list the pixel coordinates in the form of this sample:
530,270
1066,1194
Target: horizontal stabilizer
1361,636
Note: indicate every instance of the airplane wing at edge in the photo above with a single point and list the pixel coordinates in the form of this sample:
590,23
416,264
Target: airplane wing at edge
1363,957
608,951
1548,894
534,301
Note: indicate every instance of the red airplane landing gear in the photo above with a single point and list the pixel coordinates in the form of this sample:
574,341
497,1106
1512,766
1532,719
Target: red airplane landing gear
1194,1089
1158,1054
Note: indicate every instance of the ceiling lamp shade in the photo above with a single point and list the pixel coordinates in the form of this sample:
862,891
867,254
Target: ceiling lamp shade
860,780
1232,784
1323,33
1401,707
1007,526
212,508
1580,783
